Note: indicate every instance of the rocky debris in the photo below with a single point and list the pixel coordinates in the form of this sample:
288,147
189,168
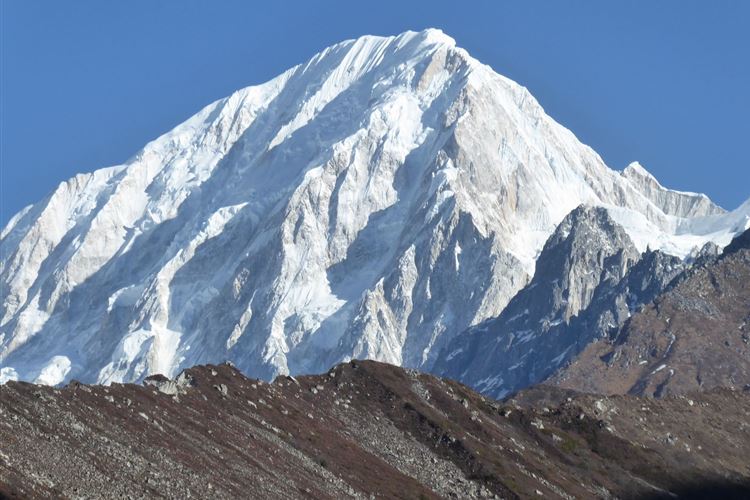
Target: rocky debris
691,337
385,439
162,384
170,387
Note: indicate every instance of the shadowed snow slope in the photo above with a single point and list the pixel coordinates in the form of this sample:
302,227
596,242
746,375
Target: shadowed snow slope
371,202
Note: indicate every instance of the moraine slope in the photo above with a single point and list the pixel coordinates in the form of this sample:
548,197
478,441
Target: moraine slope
364,430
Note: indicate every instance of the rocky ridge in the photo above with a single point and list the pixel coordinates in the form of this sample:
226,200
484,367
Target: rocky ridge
695,335
589,279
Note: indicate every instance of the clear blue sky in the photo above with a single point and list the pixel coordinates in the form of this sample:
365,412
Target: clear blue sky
85,84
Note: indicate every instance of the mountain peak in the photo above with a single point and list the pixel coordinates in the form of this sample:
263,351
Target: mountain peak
425,37
435,36
371,202
374,50
636,169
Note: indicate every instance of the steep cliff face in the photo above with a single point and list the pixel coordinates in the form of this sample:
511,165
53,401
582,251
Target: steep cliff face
589,279
694,336
371,202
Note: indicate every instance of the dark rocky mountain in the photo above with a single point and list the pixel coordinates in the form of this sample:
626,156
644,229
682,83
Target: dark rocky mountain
589,280
696,335
363,430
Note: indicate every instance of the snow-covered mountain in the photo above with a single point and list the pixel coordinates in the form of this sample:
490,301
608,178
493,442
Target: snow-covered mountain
373,202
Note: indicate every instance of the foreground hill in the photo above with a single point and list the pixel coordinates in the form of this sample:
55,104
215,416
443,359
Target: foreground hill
364,430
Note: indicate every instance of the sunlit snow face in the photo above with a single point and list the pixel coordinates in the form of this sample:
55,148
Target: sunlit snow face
374,201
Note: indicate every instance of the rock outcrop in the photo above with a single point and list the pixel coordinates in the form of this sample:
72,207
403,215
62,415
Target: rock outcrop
696,335
589,279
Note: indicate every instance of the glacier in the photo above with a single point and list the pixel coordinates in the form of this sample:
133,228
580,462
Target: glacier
372,202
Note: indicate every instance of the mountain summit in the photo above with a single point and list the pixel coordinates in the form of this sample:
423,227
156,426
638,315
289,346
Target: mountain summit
373,202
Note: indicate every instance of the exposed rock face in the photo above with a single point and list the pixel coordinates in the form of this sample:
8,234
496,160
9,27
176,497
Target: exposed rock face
589,279
694,336
372,202
364,429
